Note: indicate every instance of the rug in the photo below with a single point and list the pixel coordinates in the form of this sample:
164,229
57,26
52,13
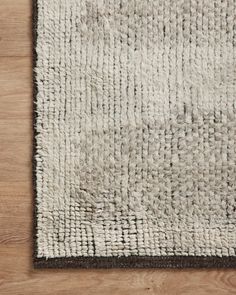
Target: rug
134,133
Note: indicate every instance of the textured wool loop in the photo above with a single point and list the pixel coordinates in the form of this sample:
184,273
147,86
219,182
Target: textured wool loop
135,133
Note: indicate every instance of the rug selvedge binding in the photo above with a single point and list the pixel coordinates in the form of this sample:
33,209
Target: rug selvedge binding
107,262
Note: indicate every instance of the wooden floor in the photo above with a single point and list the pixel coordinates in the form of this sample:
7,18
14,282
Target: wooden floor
16,273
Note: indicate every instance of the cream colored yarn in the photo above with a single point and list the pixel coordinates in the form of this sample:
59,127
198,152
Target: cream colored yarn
136,143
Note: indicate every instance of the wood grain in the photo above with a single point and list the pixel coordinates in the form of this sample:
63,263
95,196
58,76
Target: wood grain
16,273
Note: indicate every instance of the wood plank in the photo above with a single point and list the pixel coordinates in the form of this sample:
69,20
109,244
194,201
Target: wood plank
15,28
13,188
16,85
15,125
15,150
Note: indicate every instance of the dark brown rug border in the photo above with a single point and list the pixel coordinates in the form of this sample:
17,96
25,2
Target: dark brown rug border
107,262
179,262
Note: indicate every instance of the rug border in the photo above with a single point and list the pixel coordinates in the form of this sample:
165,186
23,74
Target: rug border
179,262
174,262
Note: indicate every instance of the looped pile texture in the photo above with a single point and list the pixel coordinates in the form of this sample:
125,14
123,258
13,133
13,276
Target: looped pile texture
135,133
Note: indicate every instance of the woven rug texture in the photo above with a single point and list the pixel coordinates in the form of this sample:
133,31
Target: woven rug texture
135,133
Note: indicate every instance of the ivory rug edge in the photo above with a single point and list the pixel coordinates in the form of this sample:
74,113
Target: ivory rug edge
107,262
